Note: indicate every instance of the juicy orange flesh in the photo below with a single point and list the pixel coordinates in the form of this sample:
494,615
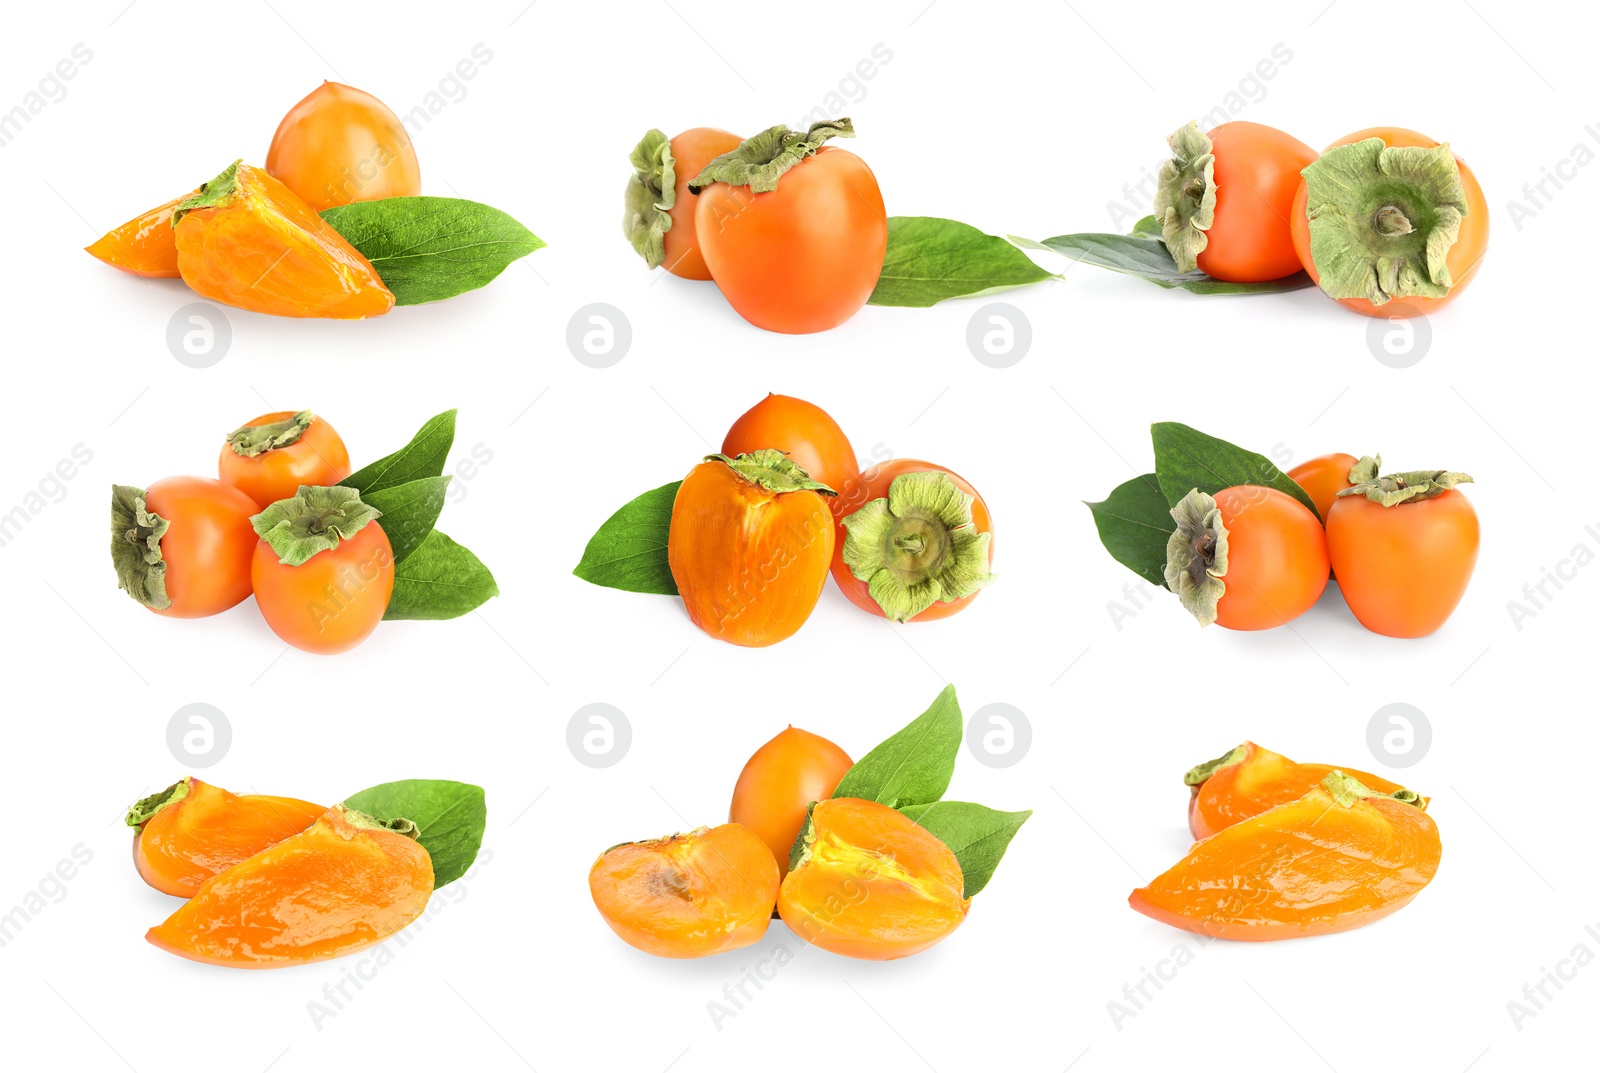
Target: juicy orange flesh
144,245
1306,867
210,830
265,250
1264,780
318,894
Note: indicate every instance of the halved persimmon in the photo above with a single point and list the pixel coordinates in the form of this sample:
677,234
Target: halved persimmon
192,830
1340,857
1249,780
246,240
688,895
870,882
144,246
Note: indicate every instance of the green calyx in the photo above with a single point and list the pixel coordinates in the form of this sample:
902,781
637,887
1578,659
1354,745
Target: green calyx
1197,555
650,195
761,159
772,470
1186,195
1201,772
800,851
142,811
136,534
1382,219
253,440
314,519
210,193
1347,790
399,825
917,546
1397,488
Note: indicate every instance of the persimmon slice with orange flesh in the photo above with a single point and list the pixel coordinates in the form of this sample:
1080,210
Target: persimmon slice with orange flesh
1249,780
192,830
688,895
343,883
870,882
144,246
246,240
1338,858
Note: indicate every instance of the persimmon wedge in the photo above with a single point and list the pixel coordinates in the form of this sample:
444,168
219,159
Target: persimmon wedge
144,246
1338,858
1249,780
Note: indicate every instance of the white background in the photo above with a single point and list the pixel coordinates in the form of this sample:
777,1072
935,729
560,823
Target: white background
1020,118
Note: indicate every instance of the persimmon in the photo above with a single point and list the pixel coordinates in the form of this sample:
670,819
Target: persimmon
1249,780
659,208
919,548
870,882
340,144
749,545
144,246
811,439
687,895
343,883
780,782
1323,478
193,830
246,240
1335,859
792,230
272,456
1248,558
1224,200
1387,215
1404,547
323,570
182,546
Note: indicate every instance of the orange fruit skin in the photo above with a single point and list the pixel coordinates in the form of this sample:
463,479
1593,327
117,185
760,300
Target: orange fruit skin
341,144
750,564
691,152
1403,569
317,458
690,895
1262,780
1472,240
144,246
325,892
1309,867
1257,171
208,545
1277,558
780,782
334,600
209,831
812,439
1323,478
876,885
265,250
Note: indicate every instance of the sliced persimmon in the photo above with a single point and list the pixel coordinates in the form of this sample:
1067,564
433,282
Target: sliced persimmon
1338,858
688,895
345,882
246,240
193,830
144,246
1249,780
870,882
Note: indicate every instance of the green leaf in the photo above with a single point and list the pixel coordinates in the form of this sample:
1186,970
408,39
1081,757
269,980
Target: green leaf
914,765
410,511
1134,523
977,835
929,260
1143,254
439,580
450,818
629,551
429,248
1187,459
424,456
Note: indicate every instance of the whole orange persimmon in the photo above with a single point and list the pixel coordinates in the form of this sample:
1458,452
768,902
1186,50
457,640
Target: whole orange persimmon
659,215
182,546
1323,478
780,782
272,456
810,438
341,144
